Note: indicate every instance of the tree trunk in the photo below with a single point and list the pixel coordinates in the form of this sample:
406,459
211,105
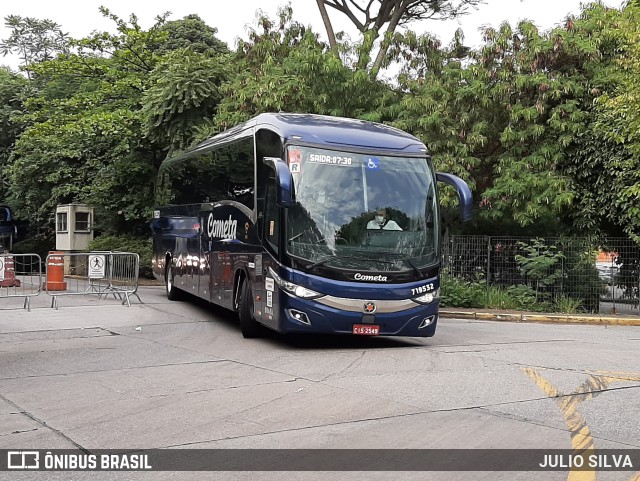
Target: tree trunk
327,25
386,40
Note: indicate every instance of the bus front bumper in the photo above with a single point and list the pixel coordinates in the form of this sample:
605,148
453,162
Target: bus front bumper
308,316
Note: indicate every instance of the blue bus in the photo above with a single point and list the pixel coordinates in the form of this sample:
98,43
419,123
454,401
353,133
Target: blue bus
306,224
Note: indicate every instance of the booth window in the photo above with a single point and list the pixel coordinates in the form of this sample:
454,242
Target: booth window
61,222
82,221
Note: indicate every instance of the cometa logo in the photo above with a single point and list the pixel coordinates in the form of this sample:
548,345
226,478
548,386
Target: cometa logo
362,277
223,229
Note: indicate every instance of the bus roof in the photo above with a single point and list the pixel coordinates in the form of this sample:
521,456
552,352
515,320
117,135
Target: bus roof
320,130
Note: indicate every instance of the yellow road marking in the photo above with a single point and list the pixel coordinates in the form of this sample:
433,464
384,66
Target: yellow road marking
581,438
614,376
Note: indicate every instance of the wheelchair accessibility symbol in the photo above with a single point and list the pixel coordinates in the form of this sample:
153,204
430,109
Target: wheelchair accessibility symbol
372,163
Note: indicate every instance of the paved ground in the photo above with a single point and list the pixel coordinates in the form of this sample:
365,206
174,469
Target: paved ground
160,374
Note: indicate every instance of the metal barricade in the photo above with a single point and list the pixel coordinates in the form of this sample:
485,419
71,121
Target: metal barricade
94,273
123,269
20,276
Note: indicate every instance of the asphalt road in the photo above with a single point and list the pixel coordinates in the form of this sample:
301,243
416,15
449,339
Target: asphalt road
98,375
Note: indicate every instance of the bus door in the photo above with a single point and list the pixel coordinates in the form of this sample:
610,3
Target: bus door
269,229
221,274
204,261
192,277
210,269
216,283
216,276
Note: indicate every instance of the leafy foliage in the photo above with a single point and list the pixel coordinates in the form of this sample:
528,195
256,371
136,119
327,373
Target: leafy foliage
504,116
542,263
184,91
371,18
456,292
284,67
105,116
190,32
33,40
123,243
543,125
38,244
605,164
13,91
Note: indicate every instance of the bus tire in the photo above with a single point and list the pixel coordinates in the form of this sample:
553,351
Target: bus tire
173,293
249,327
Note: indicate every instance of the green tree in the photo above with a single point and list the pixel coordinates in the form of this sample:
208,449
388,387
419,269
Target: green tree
183,95
505,116
606,160
98,130
284,67
379,20
541,264
33,40
13,91
193,33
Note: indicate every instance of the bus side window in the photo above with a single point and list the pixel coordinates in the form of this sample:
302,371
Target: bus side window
271,215
240,160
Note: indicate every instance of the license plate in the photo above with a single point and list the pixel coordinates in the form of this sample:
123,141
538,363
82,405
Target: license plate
366,329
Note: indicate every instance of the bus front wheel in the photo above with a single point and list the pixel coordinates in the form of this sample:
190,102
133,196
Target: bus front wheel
248,325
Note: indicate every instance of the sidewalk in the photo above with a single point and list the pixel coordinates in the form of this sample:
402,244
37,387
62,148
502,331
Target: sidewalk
516,316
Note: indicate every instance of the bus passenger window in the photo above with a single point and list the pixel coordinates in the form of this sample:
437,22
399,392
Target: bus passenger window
240,161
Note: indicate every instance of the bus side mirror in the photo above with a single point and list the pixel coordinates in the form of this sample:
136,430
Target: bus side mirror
464,193
284,181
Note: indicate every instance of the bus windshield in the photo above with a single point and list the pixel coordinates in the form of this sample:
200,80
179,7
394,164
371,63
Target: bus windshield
362,211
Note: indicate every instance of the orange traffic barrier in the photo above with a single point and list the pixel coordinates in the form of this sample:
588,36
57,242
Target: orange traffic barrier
9,273
55,272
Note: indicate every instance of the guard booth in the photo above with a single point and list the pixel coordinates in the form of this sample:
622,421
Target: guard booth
8,230
74,231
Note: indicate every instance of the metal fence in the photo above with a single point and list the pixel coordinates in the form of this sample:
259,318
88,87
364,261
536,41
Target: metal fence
565,274
94,273
20,276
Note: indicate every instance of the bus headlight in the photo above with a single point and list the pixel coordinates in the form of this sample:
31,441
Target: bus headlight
428,297
294,289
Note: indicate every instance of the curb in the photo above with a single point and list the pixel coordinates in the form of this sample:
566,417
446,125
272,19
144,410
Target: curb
557,319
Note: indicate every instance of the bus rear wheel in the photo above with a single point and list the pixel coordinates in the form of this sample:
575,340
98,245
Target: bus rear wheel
249,327
173,293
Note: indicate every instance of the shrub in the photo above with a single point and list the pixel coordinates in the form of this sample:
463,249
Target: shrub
583,281
142,247
523,297
497,298
513,297
455,292
38,244
567,305
542,265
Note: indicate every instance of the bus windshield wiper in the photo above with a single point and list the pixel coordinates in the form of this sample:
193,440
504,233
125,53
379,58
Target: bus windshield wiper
337,256
405,258
297,236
